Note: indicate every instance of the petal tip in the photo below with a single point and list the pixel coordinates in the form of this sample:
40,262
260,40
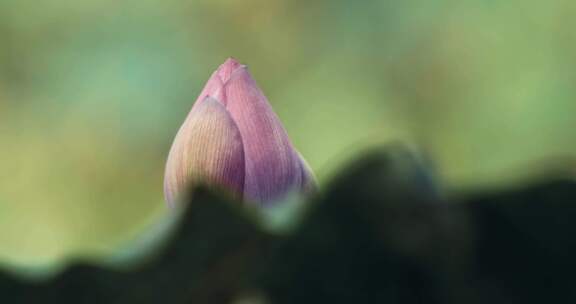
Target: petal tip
228,67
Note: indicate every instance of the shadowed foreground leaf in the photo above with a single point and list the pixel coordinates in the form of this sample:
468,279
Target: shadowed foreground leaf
206,261
381,233
525,244
381,236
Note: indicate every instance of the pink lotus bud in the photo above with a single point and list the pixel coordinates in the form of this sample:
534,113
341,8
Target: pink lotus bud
232,138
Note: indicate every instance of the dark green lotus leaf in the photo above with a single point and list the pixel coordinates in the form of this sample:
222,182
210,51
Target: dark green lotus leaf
525,244
208,260
382,232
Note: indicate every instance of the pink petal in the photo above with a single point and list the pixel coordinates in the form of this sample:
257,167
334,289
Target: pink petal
213,85
273,168
207,149
227,68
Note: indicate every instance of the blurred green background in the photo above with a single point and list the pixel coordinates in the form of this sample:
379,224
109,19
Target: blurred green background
92,93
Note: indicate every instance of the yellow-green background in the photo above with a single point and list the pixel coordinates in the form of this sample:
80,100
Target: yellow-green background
92,93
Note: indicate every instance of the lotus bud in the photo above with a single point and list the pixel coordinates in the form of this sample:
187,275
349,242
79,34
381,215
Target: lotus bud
232,139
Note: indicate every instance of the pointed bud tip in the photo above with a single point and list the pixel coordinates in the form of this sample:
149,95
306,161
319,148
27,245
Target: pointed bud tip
231,61
227,68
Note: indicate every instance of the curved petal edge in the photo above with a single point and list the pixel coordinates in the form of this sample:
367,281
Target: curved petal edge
207,149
